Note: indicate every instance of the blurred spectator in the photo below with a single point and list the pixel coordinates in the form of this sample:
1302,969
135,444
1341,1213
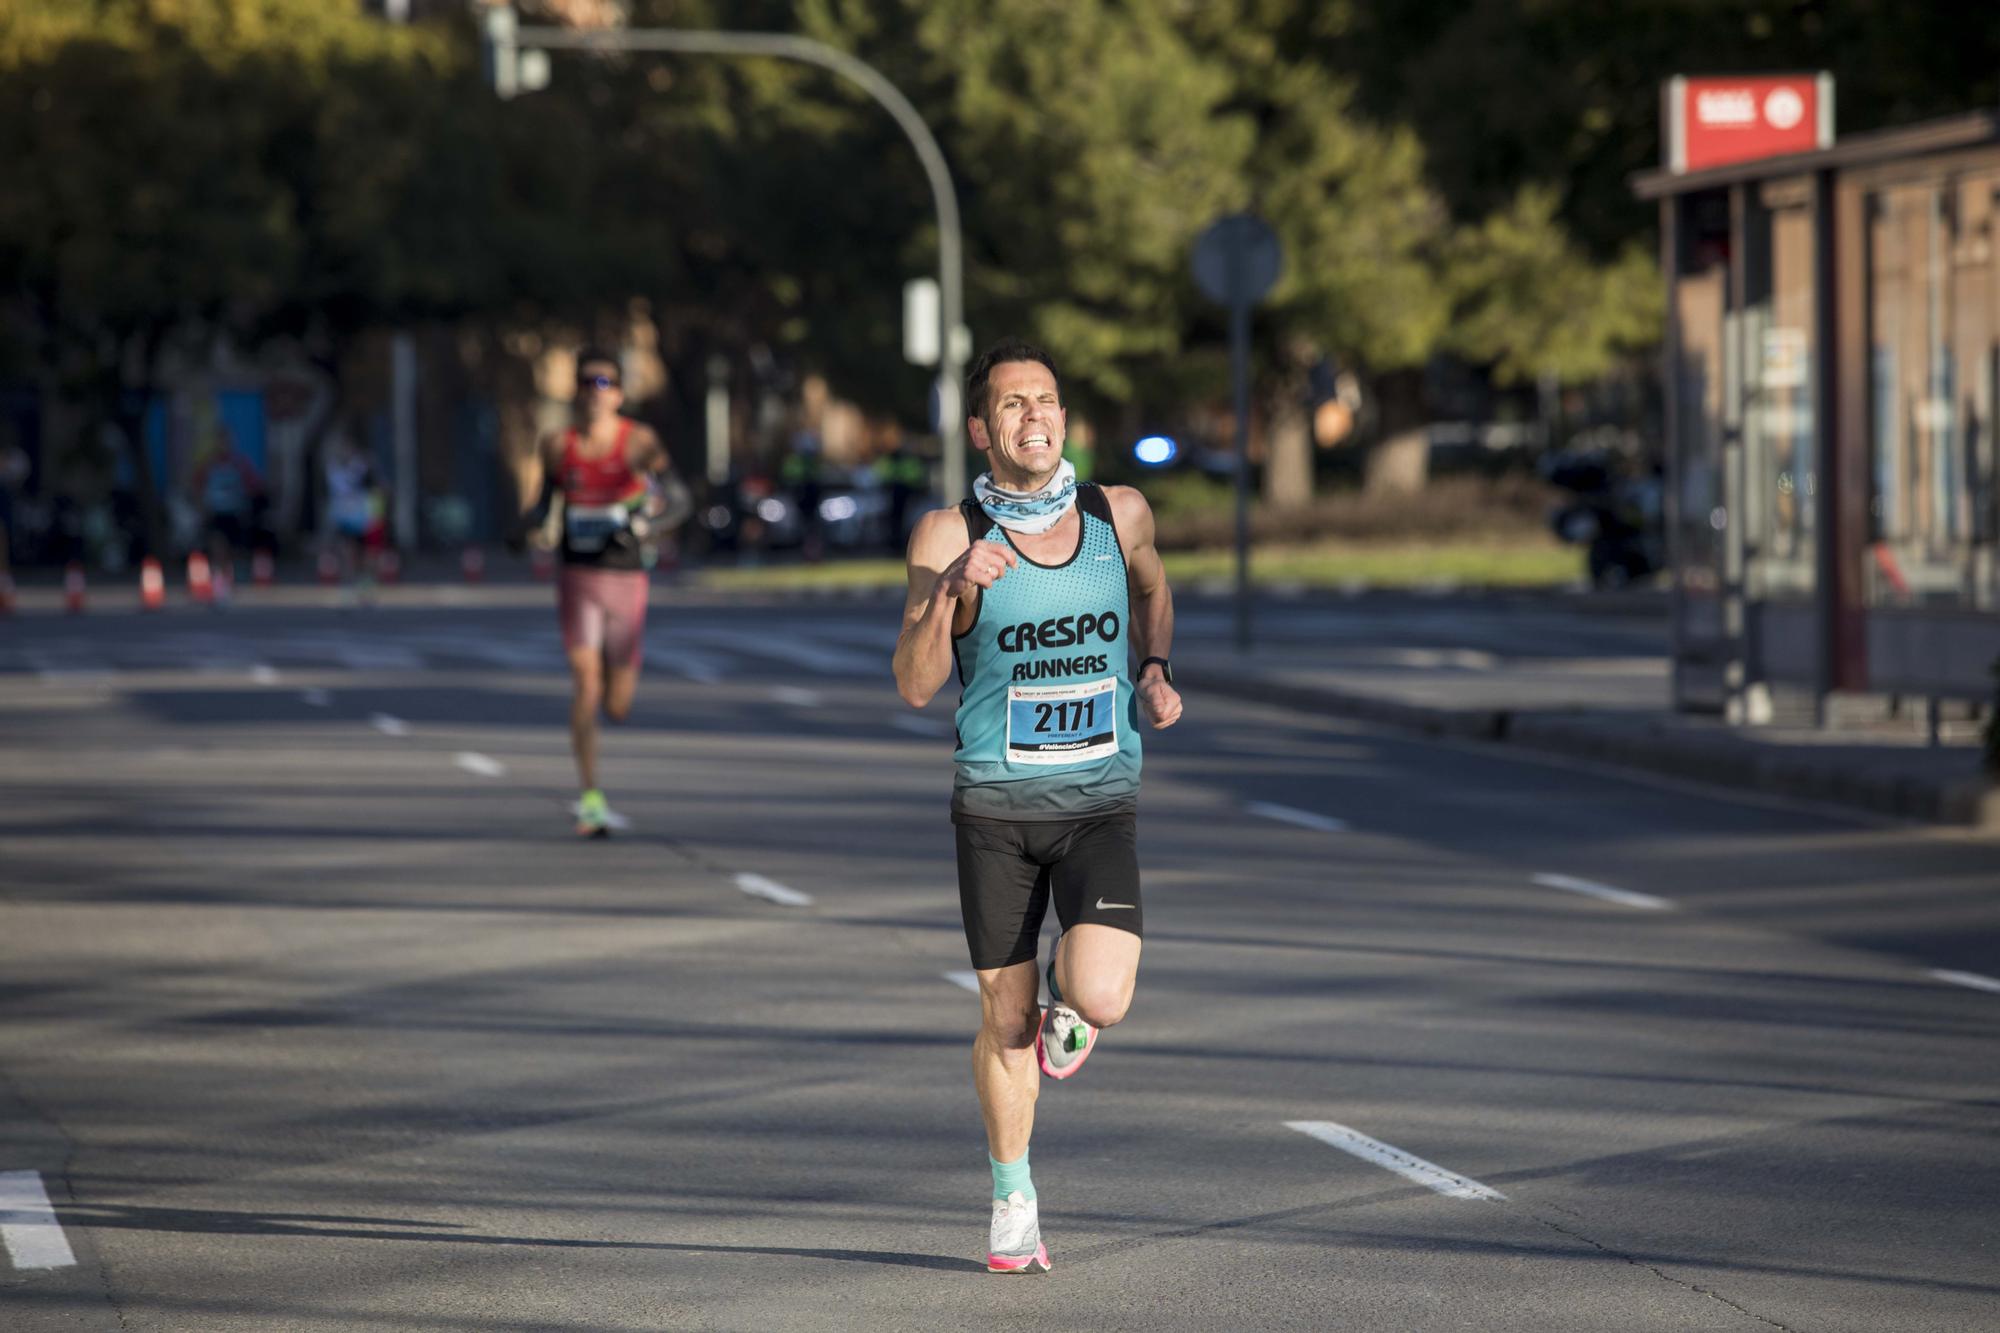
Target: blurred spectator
1079,453
906,476
231,495
356,510
801,474
15,468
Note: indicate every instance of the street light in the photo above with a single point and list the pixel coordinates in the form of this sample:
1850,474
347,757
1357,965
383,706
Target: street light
513,52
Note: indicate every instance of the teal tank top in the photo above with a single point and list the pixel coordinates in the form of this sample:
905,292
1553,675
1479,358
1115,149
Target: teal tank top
1048,725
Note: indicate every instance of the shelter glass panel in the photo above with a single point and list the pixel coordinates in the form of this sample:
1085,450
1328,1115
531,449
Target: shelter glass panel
1934,358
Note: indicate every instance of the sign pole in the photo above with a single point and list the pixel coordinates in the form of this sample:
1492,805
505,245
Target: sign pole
1236,260
1239,371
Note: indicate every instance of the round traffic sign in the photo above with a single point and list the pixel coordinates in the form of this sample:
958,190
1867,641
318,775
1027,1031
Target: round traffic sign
1236,259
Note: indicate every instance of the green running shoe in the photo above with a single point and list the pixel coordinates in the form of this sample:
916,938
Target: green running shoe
593,815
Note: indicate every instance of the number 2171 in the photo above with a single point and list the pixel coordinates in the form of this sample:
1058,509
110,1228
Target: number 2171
1069,716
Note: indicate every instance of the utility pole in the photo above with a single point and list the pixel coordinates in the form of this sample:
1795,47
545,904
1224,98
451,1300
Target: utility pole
517,63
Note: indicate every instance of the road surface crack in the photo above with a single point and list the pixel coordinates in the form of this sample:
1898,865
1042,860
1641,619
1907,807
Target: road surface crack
1656,1271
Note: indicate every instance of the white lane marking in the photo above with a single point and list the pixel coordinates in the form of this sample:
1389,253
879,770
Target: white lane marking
263,674
1571,884
699,669
1391,1158
796,697
28,1225
969,980
51,672
484,765
759,887
922,726
318,698
1284,814
389,726
1972,979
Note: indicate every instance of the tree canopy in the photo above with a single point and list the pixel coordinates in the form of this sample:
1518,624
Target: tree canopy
1446,175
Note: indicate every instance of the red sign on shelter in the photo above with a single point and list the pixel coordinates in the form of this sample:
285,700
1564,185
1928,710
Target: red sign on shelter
1712,122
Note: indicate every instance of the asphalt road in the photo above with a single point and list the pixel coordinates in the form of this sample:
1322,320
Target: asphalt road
313,1016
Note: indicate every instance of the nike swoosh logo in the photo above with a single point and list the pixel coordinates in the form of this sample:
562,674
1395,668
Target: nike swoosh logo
1103,906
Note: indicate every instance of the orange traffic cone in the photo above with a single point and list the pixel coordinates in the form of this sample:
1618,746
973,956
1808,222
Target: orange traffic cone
472,564
329,567
263,569
73,588
152,585
388,565
201,583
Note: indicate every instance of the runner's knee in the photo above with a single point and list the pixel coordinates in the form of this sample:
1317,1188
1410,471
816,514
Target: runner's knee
1011,1034
1011,1039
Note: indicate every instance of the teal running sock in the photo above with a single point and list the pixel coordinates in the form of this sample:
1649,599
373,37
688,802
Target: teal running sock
1011,1176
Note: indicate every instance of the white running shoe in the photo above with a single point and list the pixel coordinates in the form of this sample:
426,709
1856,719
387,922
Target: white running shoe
1015,1243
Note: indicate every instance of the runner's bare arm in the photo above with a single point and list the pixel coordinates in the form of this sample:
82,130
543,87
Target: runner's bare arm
673,503
646,453
1152,604
946,573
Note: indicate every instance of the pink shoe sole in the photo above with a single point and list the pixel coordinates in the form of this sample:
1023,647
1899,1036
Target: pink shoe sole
1038,1262
1042,1054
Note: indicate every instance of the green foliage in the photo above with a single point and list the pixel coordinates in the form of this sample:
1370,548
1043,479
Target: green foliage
1530,302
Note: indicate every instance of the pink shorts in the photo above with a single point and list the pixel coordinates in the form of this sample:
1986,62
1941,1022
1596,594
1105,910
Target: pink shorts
603,610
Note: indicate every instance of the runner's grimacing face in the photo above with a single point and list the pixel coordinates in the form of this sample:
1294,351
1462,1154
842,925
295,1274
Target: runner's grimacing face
593,398
1024,425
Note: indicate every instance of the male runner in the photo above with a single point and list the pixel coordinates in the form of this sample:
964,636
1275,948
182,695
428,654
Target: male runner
602,465
1037,592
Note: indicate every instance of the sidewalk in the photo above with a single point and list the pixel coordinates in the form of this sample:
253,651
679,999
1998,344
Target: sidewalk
1612,710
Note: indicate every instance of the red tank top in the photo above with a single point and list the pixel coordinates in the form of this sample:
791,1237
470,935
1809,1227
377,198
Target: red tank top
598,481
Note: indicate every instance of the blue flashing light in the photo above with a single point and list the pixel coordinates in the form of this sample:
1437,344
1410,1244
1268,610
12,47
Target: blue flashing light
1155,450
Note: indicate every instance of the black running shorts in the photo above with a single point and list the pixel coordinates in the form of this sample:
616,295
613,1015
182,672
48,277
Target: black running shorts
1008,872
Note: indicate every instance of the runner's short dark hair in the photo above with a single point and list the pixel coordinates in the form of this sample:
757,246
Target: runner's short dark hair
590,354
999,354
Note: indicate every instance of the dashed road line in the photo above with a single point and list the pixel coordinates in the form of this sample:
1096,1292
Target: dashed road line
1391,1158
28,1226
969,980
484,766
1285,814
796,697
1624,897
1971,979
759,887
388,725
263,674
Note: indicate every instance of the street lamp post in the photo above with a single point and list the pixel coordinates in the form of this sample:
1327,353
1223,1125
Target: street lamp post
508,42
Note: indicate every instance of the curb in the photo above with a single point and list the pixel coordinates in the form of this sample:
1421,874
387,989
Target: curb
1720,760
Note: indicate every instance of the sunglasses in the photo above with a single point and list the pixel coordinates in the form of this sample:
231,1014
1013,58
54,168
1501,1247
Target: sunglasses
596,382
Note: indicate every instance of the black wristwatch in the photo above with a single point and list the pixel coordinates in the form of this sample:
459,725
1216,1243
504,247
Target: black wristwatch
1166,668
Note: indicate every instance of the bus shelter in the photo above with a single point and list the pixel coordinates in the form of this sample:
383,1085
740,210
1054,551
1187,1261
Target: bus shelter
1832,372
